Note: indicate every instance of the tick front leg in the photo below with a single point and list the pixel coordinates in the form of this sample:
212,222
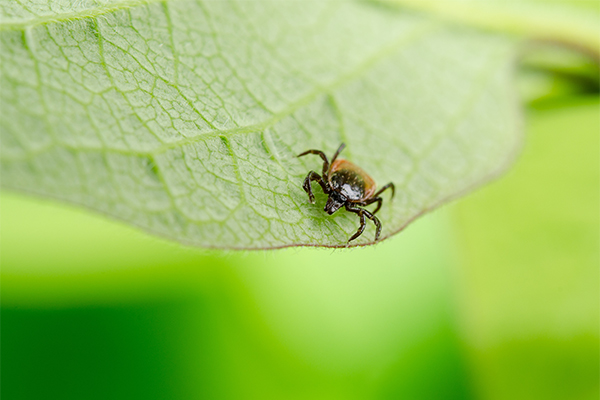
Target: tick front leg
337,153
320,154
313,176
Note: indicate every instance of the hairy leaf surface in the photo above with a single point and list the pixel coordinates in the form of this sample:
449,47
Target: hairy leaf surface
184,117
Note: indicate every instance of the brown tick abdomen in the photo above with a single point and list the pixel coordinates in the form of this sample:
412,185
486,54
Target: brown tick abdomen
350,180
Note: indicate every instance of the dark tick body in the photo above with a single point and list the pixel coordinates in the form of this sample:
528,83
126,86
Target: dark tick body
347,186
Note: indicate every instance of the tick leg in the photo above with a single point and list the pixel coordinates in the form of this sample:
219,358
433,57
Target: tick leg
313,176
389,185
322,155
337,153
363,224
376,222
368,214
379,201
372,200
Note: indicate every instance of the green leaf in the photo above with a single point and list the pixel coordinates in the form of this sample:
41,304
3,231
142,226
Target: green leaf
185,117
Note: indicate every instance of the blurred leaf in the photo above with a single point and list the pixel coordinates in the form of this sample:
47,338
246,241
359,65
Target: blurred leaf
530,248
574,22
551,72
184,118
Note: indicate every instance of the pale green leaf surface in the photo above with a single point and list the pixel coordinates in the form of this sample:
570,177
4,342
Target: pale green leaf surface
184,118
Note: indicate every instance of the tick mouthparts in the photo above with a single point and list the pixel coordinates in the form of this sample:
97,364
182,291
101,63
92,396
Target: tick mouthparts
332,206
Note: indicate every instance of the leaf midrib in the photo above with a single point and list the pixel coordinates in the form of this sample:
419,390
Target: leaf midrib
421,30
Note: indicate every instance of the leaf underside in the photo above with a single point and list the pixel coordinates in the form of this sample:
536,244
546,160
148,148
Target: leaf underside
184,117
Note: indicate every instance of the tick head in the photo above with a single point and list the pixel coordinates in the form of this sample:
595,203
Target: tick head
334,203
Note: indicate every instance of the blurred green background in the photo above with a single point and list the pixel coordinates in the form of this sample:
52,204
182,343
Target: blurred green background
495,296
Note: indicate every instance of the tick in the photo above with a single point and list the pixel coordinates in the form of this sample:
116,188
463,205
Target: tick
347,185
